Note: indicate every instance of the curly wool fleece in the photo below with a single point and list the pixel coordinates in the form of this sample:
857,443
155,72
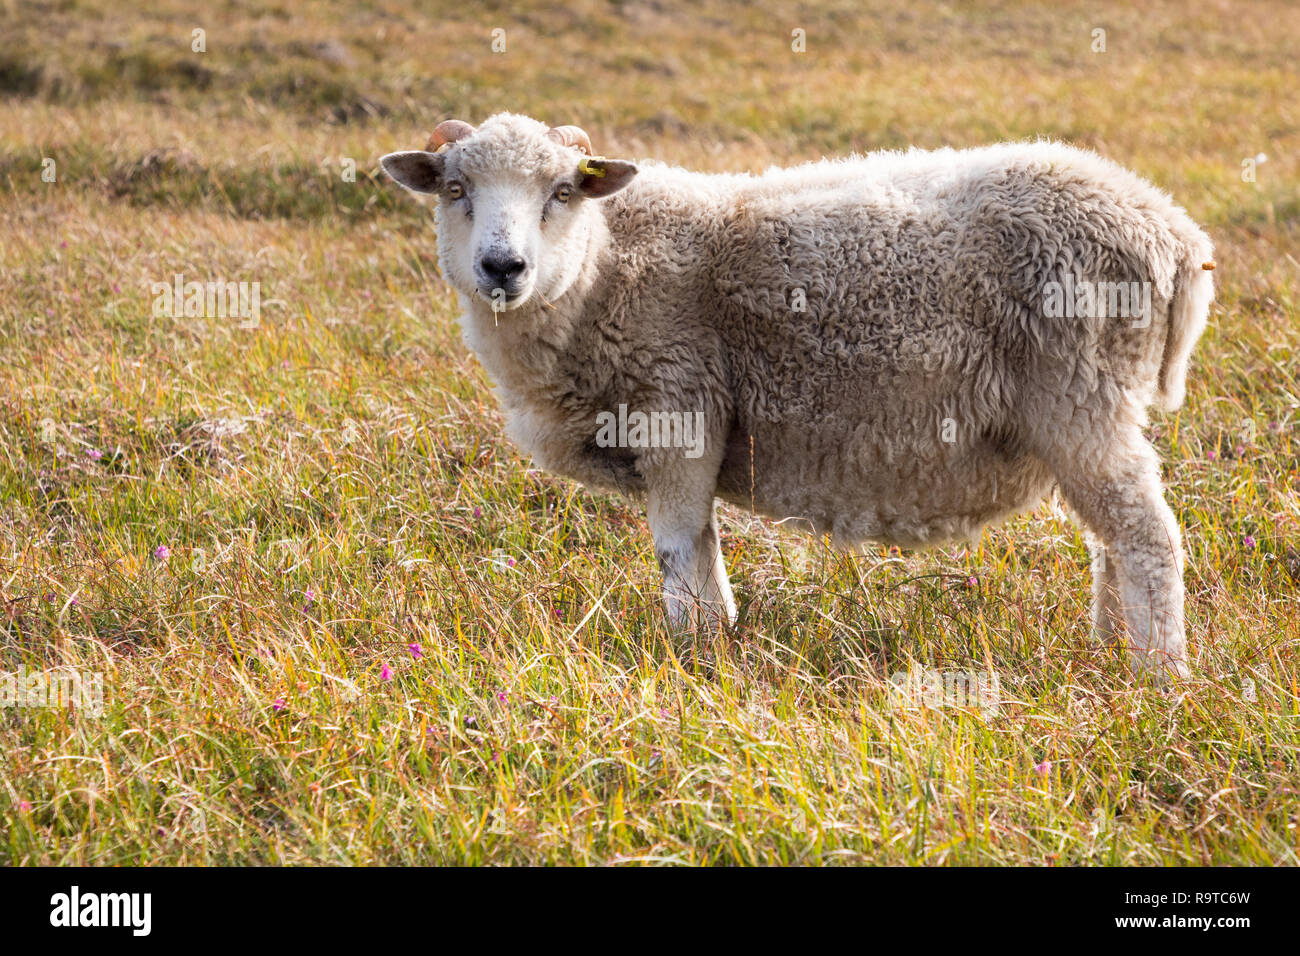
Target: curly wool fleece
876,345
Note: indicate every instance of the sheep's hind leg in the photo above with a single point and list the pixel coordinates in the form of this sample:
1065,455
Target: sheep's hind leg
1118,496
1107,618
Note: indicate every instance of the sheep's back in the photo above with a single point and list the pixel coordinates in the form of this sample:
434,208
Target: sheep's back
909,292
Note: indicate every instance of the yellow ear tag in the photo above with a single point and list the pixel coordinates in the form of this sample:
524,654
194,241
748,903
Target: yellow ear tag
587,169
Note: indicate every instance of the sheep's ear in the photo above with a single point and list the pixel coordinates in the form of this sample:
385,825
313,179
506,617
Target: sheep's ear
415,169
599,177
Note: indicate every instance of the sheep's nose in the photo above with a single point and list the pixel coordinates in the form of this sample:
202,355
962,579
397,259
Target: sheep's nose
502,268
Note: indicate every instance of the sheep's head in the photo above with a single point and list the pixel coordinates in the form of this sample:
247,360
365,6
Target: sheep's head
514,203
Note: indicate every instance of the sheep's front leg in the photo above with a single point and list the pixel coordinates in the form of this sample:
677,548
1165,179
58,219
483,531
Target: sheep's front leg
680,510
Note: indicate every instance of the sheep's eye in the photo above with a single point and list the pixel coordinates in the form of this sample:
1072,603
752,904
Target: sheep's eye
455,190
562,193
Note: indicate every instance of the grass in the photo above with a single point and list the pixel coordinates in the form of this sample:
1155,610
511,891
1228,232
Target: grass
333,486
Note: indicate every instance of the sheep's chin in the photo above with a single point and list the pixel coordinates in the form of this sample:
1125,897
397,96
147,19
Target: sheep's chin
519,301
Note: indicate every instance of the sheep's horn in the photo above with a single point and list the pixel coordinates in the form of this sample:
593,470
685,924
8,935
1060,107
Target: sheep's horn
446,133
570,136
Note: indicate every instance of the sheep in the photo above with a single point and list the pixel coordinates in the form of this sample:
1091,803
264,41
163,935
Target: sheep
901,347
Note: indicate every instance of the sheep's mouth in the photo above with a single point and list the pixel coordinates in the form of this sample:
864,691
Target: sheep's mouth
504,298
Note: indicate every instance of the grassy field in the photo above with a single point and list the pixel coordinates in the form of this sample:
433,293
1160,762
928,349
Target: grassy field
340,620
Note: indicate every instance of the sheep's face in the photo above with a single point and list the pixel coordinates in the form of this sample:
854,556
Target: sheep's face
515,206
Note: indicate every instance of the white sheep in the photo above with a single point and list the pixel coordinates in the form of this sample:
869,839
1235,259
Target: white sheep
901,347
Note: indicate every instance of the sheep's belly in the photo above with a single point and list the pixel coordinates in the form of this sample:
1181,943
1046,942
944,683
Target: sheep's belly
874,492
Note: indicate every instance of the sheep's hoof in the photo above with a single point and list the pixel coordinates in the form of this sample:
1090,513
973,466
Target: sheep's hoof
1159,667
689,616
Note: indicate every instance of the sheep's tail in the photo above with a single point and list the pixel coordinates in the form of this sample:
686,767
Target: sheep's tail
1188,312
